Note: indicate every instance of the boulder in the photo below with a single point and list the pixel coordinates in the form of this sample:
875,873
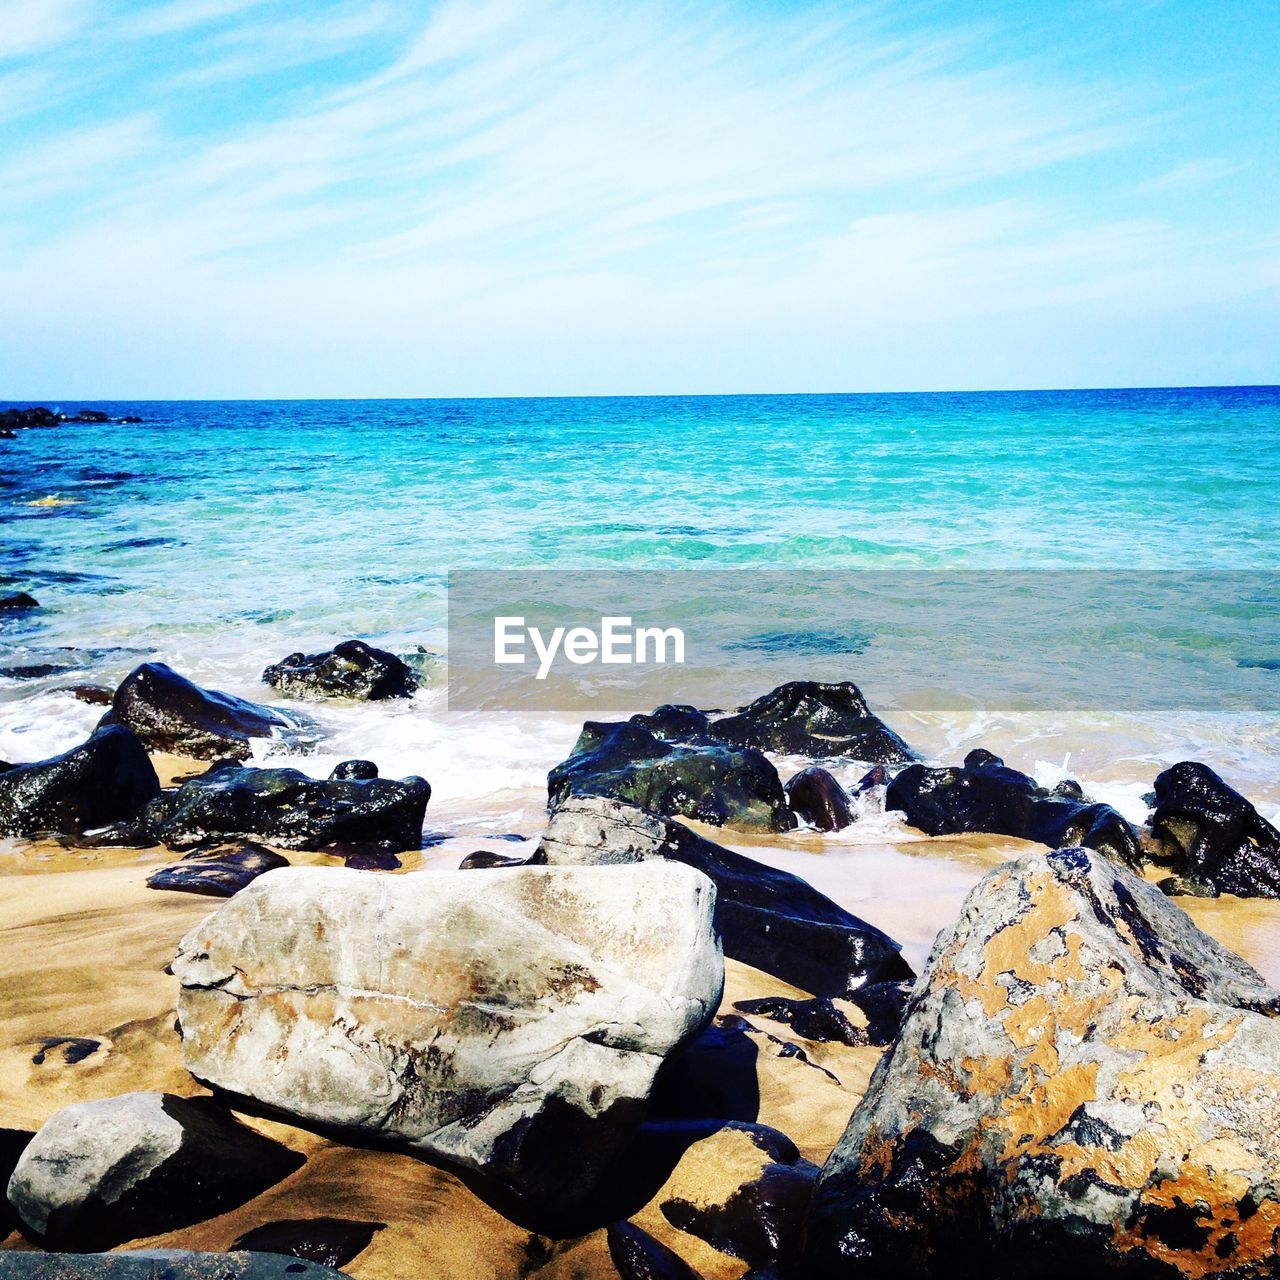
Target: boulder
486,860
106,779
161,1264
284,807
19,601
805,718
1084,1085
170,713
35,416
352,669
986,795
99,1173
817,1019
817,799
510,1021
332,1242
674,722
768,919
218,873
1212,837
714,784
636,1255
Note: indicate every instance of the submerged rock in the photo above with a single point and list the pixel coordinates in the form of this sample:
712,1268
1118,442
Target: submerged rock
106,779
817,799
986,795
287,808
217,872
714,784
352,669
170,713
19,601
768,919
99,1173
1212,837
511,1022
807,718
1085,1084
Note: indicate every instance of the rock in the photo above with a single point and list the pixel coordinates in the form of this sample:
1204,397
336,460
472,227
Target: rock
768,919
19,601
1085,1084
160,1264
285,807
883,1004
169,713
1212,837
349,670
745,1192
24,419
986,795
817,799
106,779
638,1256
713,784
93,694
217,872
817,1019
332,1242
675,723
510,1022
13,1142
99,1173
486,860
360,770
34,670
806,718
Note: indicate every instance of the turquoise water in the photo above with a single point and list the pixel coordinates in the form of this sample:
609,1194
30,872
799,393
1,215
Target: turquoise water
220,536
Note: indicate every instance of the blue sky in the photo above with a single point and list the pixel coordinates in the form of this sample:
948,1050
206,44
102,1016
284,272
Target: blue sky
379,197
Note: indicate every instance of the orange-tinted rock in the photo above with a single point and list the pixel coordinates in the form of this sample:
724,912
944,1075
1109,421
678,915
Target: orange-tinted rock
1085,1084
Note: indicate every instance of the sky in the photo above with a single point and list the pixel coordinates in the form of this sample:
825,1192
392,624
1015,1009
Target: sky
241,198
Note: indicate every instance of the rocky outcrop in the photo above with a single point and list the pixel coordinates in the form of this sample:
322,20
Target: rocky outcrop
284,807
106,779
986,795
42,416
1085,1084
170,713
509,1021
768,919
99,1173
1213,839
818,800
714,784
352,669
217,873
806,718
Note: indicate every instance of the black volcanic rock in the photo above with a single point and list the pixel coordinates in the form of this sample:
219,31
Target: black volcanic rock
19,601
352,669
986,795
219,872
712,783
807,718
1212,837
818,799
106,779
170,713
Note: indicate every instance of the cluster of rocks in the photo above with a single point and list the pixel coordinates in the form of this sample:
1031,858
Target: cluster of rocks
14,420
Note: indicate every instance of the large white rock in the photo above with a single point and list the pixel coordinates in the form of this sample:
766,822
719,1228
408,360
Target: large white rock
511,1021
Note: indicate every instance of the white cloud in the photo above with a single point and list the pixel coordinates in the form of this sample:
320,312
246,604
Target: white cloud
33,26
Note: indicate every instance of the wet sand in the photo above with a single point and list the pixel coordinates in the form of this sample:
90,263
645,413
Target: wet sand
84,944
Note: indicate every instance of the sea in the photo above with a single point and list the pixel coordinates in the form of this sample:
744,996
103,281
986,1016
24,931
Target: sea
1140,529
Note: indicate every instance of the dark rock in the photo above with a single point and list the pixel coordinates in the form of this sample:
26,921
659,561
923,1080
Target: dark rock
1077,1090
129,418
486,859
354,770
90,415
714,784
170,713
816,1019
352,669
13,1142
878,776
638,1256
884,1004
1211,836
674,722
1181,887
331,1242
365,856
810,719
19,601
65,1050
100,1173
768,919
818,799
34,671
218,873
93,694
986,795
160,1264
36,416
284,807
104,780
